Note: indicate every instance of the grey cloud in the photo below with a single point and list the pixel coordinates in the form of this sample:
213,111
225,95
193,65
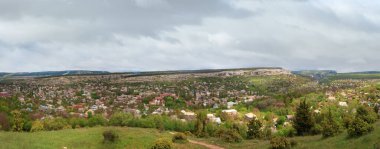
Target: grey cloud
121,35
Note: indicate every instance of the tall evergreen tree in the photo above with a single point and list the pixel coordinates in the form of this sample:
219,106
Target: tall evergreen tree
303,121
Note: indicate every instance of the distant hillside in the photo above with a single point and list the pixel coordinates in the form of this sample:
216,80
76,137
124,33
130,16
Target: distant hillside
52,73
315,74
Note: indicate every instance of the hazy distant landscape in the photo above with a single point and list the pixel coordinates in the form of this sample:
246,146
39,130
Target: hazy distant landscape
189,74
226,108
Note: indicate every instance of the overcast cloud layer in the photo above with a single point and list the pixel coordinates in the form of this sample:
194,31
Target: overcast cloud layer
125,35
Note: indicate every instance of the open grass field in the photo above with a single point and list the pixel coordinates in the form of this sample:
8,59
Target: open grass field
343,76
142,138
312,142
86,138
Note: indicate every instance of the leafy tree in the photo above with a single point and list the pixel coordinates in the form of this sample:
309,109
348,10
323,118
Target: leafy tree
18,121
330,126
303,121
254,129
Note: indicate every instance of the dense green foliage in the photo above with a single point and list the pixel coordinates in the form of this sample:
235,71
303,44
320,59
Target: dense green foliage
254,129
179,138
162,144
330,126
303,121
110,136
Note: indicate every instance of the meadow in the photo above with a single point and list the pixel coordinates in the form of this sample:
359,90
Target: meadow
85,138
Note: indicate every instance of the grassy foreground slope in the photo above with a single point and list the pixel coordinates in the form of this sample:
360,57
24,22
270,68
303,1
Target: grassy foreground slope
86,138
312,142
91,138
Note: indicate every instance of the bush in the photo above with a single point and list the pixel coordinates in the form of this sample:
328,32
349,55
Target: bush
241,129
78,122
188,133
162,144
4,122
27,126
17,121
254,129
366,114
55,124
316,129
287,132
330,126
376,145
110,136
120,119
359,127
179,138
231,136
97,120
280,143
37,126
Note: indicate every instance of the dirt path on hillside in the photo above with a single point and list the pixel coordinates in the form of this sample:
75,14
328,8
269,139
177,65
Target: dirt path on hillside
210,146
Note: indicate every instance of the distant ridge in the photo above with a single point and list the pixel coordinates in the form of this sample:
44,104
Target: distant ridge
52,73
44,74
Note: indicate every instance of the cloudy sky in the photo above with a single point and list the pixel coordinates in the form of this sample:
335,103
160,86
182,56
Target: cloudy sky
125,35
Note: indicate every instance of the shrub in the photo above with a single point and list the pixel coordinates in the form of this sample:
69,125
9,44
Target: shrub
231,136
211,129
179,138
120,119
110,136
316,129
4,121
188,133
287,132
359,127
162,144
376,145
241,129
27,126
254,129
37,126
18,121
78,122
55,124
97,120
366,114
280,121
280,143
330,126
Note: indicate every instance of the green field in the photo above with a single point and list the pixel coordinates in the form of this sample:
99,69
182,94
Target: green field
354,76
313,142
136,138
86,138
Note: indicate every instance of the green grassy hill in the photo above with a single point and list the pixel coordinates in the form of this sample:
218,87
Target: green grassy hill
313,142
86,138
91,138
